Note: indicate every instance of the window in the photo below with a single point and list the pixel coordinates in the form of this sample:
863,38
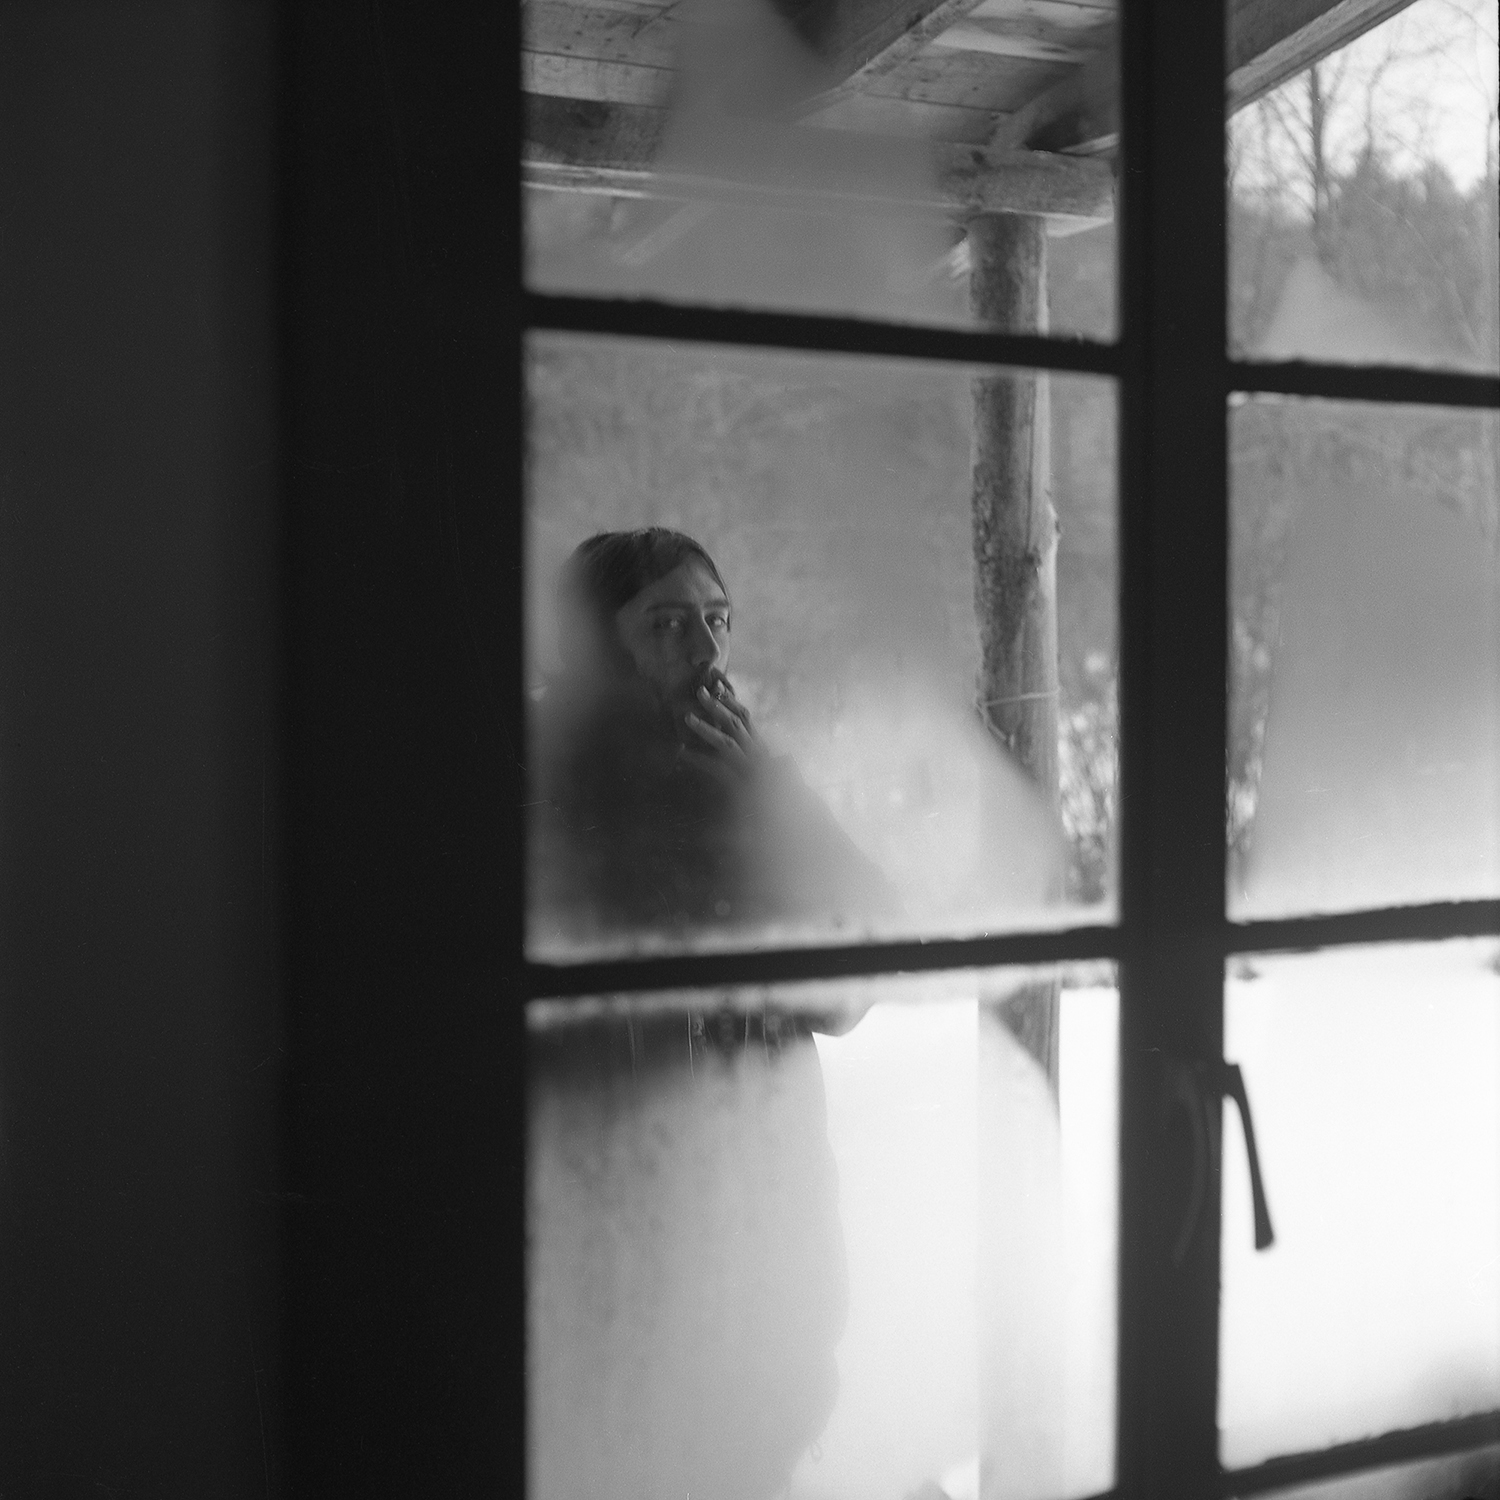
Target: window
1115,117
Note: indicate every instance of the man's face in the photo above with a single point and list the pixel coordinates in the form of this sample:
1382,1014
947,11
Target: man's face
677,633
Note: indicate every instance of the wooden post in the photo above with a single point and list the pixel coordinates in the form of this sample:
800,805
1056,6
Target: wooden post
1015,604
1015,545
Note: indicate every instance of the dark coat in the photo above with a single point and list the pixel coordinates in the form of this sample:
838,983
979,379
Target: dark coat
687,1283
631,838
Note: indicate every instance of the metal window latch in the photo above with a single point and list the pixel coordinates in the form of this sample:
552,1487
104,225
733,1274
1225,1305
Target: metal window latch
1196,1088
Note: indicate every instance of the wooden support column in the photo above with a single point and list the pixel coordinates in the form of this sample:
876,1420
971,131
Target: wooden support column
1015,544
1021,1332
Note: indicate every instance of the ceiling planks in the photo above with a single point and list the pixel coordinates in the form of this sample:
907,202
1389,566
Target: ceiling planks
865,40
1079,113
969,80
1015,75
600,33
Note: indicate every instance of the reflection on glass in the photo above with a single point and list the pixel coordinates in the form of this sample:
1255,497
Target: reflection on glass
1365,715
821,587
826,1242
772,153
1464,1476
1375,1079
1363,218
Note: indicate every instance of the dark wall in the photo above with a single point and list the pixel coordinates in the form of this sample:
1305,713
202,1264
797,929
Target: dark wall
139,1051
402,1303
259,1082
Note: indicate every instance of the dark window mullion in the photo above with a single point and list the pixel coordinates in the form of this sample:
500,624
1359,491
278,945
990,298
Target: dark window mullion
1173,722
634,974
1384,383
816,333
790,965
1397,924
1410,1445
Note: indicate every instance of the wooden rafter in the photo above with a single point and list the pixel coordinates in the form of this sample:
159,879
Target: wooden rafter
604,148
1269,42
1080,113
1273,40
865,41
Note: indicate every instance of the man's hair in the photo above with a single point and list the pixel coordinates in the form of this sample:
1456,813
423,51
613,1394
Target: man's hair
605,573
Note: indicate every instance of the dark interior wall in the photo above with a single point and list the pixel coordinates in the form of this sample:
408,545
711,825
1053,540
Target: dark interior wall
403,1278
139,1053
259,538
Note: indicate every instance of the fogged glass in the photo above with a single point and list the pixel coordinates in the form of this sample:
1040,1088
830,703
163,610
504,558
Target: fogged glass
1461,1476
825,1241
1374,1075
926,667
1363,222
773,153
1364,764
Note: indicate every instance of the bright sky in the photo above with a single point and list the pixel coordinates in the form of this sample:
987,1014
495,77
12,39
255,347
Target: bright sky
1424,83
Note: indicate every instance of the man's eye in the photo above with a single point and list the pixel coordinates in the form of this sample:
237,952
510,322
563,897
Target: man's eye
671,624
718,622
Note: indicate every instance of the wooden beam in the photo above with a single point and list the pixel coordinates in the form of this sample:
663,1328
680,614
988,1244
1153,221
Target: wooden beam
586,78
868,38
1271,41
1015,554
1079,113
592,147
1026,35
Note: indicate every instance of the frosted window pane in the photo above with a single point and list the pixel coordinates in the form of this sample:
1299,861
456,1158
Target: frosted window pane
765,1262
1374,1075
1365,721
1363,216
835,499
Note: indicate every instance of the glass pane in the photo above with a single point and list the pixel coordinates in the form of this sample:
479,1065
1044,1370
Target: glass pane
1463,1476
1363,217
775,153
836,508
1374,1075
825,1242
1365,731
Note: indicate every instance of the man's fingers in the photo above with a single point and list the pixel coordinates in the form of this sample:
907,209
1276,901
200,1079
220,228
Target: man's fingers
735,707
735,723
721,692
714,736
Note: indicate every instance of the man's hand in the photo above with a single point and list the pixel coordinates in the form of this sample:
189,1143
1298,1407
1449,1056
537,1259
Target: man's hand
730,747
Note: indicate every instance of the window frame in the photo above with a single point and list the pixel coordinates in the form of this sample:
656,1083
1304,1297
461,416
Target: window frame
1174,377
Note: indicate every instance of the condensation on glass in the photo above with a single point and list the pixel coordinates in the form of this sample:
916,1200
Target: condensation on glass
1364,756
776,153
1374,1074
1461,1476
829,1242
1363,222
836,500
